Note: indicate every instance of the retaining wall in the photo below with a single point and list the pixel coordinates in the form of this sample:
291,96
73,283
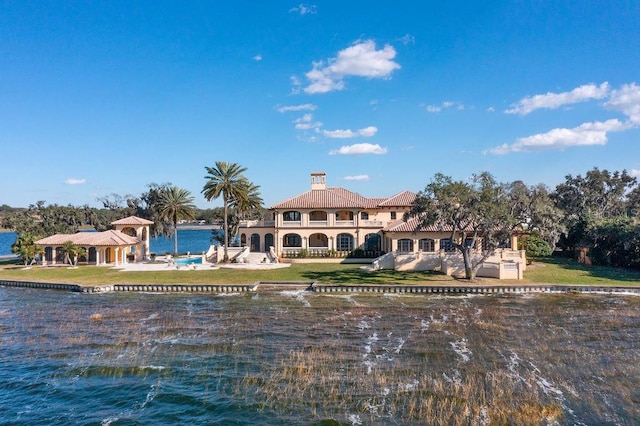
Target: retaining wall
322,288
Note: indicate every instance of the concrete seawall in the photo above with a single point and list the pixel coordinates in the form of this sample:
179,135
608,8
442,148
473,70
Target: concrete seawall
325,288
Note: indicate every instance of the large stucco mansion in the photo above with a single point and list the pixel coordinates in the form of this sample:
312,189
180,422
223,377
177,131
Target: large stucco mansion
333,219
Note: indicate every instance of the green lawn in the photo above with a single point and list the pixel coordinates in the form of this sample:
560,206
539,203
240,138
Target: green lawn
550,271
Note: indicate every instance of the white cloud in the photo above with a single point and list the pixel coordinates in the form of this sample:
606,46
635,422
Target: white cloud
74,181
445,105
306,123
594,133
626,100
635,172
303,107
257,58
367,132
360,59
555,100
304,9
407,39
357,177
359,148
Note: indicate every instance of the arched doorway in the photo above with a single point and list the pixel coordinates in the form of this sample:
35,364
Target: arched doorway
255,242
268,241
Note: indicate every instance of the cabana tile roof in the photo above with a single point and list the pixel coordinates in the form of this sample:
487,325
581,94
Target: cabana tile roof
336,198
132,220
106,238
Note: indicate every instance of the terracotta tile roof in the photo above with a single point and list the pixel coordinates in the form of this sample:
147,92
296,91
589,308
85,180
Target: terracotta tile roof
330,198
402,199
132,220
105,238
411,225
334,198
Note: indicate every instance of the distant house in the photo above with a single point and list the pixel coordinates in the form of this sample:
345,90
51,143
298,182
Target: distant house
128,241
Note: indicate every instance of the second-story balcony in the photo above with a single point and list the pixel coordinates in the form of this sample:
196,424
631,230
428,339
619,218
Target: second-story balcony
319,223
343,223
257,223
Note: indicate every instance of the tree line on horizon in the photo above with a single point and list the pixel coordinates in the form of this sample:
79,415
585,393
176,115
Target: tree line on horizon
599,211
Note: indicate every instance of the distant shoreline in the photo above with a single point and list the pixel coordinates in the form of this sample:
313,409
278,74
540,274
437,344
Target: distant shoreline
190,227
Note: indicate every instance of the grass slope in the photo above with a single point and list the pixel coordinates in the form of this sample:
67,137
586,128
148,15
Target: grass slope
548,271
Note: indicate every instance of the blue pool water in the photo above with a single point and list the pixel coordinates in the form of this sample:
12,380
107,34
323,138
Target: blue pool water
188,261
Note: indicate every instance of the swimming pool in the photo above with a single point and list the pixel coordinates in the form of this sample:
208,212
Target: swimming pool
188,261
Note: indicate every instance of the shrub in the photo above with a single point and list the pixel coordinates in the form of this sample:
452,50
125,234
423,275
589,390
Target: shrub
535,246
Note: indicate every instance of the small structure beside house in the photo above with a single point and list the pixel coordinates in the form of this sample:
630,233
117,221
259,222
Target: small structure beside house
129,241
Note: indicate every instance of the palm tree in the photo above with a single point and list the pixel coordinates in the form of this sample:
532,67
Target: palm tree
26,248
225,179
176,204
249,200
71,252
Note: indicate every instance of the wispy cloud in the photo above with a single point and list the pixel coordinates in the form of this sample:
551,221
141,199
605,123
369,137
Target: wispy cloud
357,177
445,105
626,100
306,123
555,100
75,181
304,9
303,107
358,60
594,133
359,149
257,58
367,132
407,39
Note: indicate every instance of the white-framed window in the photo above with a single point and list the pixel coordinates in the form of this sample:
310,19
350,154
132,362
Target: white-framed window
426,244
344,242
405,245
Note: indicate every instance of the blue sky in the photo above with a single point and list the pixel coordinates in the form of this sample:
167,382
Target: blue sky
107,97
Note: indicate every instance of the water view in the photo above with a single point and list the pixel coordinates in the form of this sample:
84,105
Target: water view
189,240
291,357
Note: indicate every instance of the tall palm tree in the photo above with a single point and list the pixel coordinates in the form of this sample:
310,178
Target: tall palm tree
176,204
249,200
225,179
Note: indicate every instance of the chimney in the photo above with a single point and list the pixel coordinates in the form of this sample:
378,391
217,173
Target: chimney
318,180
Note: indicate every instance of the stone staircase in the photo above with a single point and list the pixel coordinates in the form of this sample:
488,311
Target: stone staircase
257,257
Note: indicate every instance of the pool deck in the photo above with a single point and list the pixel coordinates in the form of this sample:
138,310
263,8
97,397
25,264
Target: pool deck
164,266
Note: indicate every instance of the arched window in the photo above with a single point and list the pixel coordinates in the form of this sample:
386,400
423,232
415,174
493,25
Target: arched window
318,241
291,216
344,215
372,242
405,245
318,216
344,242
291,240
426,244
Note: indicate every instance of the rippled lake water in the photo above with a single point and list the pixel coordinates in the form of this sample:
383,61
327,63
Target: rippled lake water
291,357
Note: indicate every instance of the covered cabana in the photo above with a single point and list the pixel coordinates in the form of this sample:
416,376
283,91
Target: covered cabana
101,248
129,241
